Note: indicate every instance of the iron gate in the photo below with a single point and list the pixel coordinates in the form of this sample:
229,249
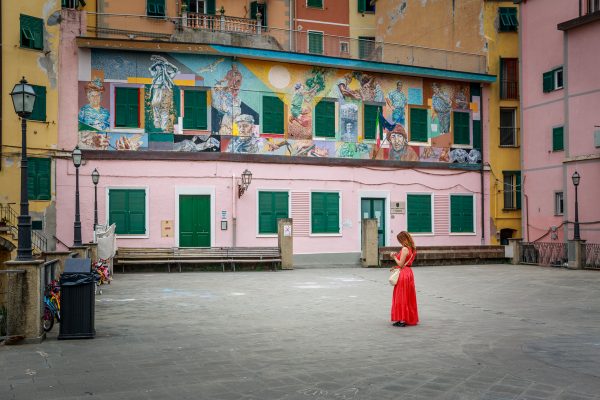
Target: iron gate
544,253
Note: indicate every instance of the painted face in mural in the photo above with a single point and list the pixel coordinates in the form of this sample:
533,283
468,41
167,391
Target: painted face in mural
93,115
245,125
398,141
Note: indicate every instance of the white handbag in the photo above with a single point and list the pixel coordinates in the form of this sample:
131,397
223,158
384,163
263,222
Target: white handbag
394,277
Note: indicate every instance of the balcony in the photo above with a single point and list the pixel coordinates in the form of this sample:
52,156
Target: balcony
243,32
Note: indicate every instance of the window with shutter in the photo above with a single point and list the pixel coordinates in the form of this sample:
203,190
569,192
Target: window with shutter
273,110
370,115
38,178
418,124
255,7
512,190
315,42
325,212
32,32
418,213
548,84
271,207
155,8
509,78
508,129
558,141
508,21
127,107
462,131
39,108
314,3
195,110
461,214
127,209
325,119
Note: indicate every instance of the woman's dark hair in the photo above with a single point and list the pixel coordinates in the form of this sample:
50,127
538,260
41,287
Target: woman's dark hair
406,240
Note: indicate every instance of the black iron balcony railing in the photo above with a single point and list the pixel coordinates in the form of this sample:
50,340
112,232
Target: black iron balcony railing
509,90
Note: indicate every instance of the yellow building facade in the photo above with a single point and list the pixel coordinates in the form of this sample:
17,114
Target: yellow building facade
30,41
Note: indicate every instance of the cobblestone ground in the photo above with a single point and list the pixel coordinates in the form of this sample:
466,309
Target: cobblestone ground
486,332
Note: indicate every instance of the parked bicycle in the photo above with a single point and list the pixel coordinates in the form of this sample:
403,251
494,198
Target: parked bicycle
51,305
102,272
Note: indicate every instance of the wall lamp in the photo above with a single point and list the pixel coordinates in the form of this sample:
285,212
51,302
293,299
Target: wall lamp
246,179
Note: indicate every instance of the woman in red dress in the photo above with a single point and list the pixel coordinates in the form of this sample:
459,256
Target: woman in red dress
404,300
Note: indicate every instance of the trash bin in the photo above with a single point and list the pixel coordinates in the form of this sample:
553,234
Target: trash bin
77,300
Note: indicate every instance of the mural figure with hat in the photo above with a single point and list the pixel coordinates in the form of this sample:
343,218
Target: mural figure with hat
247,140
400,150
161,92
397,101
442,105
93,116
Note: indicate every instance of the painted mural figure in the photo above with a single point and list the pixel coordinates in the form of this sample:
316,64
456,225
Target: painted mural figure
298,109
161,92
461,99
226,99
246,141
397,101
198,143
93,115
400,150
442,105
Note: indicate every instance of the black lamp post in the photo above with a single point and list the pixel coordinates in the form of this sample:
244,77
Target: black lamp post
246,179
576,178
77,225
95,179
23,98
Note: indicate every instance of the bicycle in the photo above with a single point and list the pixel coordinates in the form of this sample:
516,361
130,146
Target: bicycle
102,274
51,306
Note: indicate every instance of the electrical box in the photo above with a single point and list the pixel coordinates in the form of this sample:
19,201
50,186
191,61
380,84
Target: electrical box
398,207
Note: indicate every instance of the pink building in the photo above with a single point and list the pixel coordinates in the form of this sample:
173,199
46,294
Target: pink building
171,127
560,94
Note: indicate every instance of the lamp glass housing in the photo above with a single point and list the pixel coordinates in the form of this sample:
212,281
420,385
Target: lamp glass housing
76,157
95,176
576,178
246,178
23,98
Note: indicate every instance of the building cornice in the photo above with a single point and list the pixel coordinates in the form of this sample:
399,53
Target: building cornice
282,56
579,21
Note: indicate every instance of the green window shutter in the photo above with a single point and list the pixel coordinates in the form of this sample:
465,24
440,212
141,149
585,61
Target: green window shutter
418,125
461,128
32,167
272,114
271,207
32,32
370,121
518,188
558,143
137,212
127,209
508,19
253,9
39,108
362,6
155,8
315,42
117,210
548,84
325,119
325,212
461,214
210,7
42,181
195,110
314,3
127,108
419,213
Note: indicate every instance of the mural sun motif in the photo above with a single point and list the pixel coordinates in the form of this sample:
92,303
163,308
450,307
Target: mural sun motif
279,77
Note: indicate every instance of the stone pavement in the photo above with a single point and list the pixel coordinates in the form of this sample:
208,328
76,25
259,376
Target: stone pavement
486,332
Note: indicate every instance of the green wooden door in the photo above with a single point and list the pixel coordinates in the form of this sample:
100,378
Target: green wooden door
194,221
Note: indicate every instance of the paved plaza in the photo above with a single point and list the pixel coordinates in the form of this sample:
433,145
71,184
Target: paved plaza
486,332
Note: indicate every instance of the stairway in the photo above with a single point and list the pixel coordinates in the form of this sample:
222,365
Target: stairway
9,230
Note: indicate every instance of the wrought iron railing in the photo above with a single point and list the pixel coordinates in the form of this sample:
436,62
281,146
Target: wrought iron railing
544,253
592,255
509,90
9,219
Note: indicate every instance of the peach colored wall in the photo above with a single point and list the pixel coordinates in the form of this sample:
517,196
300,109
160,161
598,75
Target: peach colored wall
333,12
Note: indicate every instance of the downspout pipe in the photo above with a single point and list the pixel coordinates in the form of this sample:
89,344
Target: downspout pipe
481,172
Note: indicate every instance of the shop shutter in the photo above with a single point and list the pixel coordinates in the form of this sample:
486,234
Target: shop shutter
419,213
418,124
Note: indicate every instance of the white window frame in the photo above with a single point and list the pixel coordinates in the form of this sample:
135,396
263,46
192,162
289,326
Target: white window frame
203,2
340,224
346,45
464,194
432,233
375,194
556,203
195,190
147,205
514,110
555,77
263,189
308,41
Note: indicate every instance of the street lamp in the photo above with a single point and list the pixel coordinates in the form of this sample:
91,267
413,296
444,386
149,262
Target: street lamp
23,98
576,178
95,179
246,179
76,155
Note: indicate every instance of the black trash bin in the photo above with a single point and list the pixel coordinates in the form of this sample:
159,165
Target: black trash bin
77,300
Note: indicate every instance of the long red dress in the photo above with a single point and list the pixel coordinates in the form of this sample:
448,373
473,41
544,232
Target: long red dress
404,300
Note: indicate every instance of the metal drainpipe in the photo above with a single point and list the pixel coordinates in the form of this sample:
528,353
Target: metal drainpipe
481,171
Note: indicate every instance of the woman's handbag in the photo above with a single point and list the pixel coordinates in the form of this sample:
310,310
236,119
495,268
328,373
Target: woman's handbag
394,277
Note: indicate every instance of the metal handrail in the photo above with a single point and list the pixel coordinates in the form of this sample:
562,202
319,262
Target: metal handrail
7,215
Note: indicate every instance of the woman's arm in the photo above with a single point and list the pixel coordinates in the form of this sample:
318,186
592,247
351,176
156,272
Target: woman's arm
402,259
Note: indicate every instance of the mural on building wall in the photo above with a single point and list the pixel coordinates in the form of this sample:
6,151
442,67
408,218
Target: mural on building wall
235,89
